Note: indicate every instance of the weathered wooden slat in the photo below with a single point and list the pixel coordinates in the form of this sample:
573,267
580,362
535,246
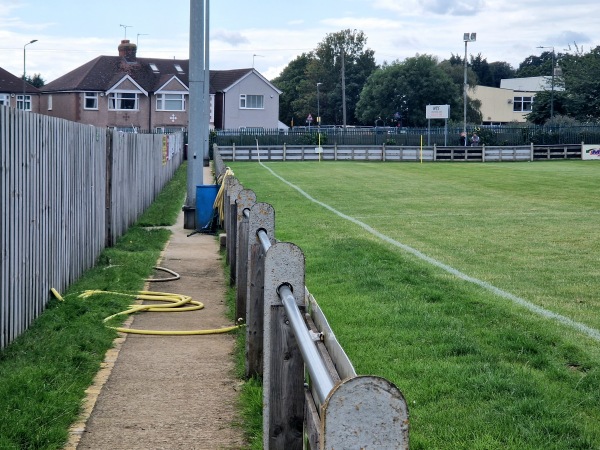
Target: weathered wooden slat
53,198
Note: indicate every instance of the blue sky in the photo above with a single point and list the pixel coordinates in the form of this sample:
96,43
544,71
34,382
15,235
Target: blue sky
71,33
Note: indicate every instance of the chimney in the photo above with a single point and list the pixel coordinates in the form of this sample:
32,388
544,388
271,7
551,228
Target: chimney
127,50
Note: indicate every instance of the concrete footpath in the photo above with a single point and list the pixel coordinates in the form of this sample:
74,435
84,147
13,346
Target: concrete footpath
169,392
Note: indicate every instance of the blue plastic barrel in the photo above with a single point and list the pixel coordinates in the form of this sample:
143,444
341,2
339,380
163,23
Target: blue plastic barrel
205,199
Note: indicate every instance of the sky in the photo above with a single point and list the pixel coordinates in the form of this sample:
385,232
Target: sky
268,34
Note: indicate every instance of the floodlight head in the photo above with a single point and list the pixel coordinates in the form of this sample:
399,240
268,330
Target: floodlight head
466,37
473,36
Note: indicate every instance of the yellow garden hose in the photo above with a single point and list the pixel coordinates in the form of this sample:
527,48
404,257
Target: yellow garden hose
174,275
176,303
220,199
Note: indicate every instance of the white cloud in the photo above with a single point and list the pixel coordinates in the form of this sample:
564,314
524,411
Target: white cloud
234,38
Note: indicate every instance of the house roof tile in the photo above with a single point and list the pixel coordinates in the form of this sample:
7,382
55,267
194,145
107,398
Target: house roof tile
11,84
103,72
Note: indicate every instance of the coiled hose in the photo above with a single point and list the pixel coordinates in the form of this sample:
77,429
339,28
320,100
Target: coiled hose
220,199
176,303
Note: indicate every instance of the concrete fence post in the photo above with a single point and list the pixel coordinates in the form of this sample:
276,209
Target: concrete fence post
245,199
372,407
262,217
229,183
283,378
234,189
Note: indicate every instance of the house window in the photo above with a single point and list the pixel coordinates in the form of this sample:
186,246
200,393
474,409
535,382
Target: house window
49,102
522,104
4,100
170,102
248,101
123,101
91,100
26,106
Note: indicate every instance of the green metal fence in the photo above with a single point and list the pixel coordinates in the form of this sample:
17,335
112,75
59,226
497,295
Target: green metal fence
489,135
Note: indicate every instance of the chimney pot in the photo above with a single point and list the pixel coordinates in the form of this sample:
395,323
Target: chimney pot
127,50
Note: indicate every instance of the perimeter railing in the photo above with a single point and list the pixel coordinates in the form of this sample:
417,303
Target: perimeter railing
310,388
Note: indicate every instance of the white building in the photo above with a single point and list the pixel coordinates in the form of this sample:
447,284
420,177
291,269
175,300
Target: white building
512,101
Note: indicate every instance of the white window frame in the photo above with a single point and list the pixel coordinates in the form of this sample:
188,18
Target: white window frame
162,100
520,102
90,96
5,99
116,99
49,102
27,102
246,99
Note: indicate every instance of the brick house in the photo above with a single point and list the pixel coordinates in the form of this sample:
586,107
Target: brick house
127,92
13,90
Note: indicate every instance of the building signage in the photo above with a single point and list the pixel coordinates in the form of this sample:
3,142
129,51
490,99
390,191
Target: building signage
437,111
590,152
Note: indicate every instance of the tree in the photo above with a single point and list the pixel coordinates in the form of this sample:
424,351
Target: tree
324,65
500,70
481,67
36,80
404,89
288,82
536,66
540,109
582,85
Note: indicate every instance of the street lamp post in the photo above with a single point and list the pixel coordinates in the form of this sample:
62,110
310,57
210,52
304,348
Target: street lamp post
318,105
552,82
467,37
25,72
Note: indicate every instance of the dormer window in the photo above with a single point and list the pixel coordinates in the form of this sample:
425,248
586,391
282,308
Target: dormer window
154,67
178,68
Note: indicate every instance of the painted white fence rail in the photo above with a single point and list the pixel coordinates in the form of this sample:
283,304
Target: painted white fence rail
66,191
398,153
288,334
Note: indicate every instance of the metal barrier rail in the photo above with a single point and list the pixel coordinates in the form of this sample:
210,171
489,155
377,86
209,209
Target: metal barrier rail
287,336
322,380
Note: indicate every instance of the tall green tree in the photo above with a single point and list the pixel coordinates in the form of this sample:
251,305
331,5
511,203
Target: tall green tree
536,66
582,85
500,70
289,82
481,67
36,80
344,49
401,91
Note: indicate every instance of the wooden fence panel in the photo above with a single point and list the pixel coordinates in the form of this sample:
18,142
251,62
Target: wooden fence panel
54,181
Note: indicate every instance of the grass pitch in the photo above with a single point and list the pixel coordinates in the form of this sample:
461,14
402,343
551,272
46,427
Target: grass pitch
478,370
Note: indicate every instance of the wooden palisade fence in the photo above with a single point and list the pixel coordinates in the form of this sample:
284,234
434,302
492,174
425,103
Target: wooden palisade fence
67,190
287,334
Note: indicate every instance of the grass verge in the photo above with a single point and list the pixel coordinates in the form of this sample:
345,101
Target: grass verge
478,371
44,372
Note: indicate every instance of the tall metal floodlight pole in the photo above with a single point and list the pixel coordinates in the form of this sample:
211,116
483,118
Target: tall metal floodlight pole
467,37
199,103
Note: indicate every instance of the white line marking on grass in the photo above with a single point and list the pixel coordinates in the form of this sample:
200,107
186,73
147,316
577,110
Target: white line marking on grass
591,332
